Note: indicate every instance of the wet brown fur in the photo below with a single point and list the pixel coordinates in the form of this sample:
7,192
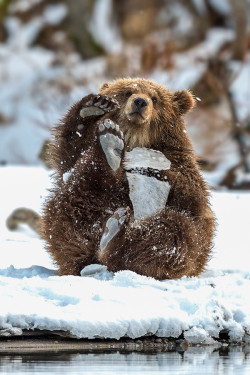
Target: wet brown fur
171,244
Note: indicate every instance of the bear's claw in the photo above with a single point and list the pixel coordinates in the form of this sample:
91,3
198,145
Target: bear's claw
113,226
111,142
98,105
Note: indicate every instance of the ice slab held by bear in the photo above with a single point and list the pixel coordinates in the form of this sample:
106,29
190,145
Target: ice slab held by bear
146,158
148,194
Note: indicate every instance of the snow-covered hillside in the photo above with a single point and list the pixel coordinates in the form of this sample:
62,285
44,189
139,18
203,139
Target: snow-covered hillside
102,304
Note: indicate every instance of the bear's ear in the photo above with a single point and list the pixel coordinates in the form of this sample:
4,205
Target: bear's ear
104,86
185,100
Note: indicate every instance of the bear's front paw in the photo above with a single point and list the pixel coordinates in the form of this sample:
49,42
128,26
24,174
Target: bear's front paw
98,105
111,142
113,226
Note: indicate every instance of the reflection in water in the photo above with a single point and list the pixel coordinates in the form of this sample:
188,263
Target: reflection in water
197,360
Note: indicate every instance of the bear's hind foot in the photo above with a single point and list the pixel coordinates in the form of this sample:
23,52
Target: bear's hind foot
111,142
114,226
98,105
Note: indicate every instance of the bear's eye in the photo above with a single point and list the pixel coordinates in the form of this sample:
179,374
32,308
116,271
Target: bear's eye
128,94
154,100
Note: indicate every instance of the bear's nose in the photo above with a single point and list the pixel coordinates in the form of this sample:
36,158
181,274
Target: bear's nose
140,103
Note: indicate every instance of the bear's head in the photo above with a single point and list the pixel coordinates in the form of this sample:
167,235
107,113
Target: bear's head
149,114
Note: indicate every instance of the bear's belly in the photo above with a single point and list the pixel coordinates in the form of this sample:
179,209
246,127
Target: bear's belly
148,193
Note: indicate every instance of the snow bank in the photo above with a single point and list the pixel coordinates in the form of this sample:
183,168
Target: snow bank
103,304
127,305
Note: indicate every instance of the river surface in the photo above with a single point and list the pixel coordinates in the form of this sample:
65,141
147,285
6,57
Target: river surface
196,360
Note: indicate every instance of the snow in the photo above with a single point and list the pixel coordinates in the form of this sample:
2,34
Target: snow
67,175
106,32
103,304
233,238
54,14
222,6
240,88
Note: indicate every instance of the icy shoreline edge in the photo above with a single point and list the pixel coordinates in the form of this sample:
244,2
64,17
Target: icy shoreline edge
48,342
103,305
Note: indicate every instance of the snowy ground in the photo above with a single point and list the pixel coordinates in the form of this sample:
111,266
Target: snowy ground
100,304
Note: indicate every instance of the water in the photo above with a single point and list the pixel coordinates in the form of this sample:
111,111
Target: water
233,361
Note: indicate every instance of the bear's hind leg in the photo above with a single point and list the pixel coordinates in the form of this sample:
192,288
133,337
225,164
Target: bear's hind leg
73,218
114,233
165,246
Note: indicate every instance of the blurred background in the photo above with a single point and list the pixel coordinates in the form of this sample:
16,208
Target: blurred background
53,52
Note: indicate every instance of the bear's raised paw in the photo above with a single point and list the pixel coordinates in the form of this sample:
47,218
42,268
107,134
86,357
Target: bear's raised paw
98,105
111,142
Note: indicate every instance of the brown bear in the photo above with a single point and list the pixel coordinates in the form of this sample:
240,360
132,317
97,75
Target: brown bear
90,217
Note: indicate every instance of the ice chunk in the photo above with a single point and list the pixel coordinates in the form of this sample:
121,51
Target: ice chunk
197,335
12,331
97,271
148,195
146,158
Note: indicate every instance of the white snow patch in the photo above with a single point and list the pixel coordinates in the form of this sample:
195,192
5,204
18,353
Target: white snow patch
54,14
222,6
103,27
198,335
67,175
240,88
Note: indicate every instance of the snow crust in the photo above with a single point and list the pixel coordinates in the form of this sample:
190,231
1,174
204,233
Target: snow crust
103,304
